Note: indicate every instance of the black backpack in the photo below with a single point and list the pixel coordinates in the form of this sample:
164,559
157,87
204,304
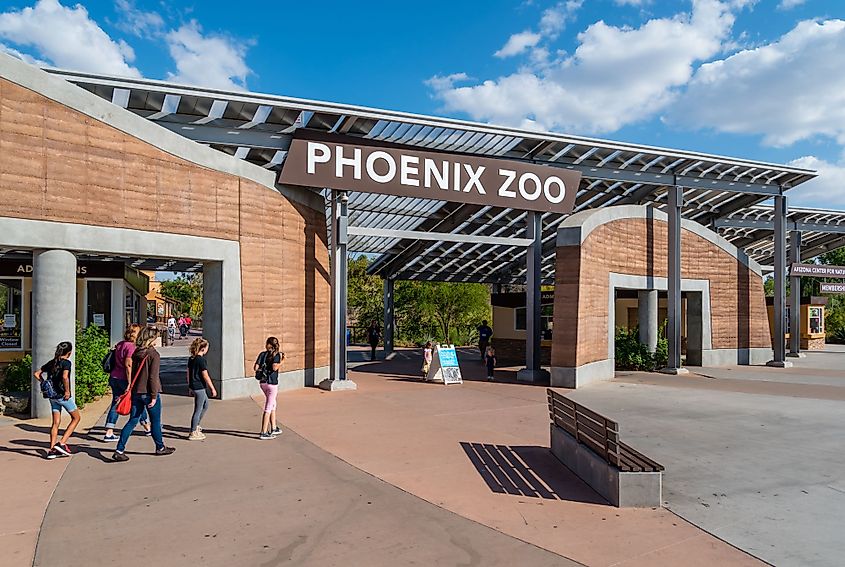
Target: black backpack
109,362
52,388
262,375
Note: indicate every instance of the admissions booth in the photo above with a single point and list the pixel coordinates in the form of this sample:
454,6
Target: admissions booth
269,195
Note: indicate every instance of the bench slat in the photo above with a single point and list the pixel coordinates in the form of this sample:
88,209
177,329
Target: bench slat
598,433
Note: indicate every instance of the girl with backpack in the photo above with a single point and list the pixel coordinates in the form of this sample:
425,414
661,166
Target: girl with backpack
200,386
57,372
119,380
267,373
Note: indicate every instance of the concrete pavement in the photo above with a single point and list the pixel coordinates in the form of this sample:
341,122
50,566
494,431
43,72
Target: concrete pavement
233,499
753,455
480,450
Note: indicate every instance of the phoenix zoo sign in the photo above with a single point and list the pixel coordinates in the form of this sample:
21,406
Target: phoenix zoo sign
429,175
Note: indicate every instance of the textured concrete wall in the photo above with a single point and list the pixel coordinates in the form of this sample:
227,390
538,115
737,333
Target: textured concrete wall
637,246
61,164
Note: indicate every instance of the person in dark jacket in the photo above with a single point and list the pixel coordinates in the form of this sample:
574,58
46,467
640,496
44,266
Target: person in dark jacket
373,337
146,394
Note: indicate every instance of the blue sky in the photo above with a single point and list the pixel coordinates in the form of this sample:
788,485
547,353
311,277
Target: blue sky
761,79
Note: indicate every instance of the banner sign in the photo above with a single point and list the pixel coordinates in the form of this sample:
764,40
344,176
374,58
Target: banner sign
24,269
351,164
832,288
444,366
818,270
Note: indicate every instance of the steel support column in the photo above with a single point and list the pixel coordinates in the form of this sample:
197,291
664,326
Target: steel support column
778,342
795,296
673,327
534,231
389,320
339,261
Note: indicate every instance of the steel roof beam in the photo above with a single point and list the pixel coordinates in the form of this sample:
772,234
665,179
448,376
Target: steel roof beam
229,136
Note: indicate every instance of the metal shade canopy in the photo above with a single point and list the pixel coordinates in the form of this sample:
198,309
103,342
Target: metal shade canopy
478,243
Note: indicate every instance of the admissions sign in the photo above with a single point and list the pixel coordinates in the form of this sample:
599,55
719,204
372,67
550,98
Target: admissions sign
818,270
350,164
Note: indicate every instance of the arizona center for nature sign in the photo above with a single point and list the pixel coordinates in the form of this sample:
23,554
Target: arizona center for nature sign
818,270
348,164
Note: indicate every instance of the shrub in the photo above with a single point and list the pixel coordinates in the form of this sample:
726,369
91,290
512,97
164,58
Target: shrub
632,355
629,352
18,375
92,344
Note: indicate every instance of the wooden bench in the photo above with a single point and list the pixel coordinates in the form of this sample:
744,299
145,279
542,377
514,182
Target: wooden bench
635,479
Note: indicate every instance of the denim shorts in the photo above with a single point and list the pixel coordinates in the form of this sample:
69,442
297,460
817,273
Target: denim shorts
69,405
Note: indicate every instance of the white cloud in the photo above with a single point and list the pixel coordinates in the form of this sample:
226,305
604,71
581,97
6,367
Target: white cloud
23,56
439,82
789,90
209,60
828,189
519,42
68,38
631,2
137,22
552,21
616,76
789,4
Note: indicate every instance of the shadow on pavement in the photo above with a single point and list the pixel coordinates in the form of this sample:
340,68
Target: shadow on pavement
527,471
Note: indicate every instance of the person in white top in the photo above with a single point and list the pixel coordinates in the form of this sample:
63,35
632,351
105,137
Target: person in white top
171,328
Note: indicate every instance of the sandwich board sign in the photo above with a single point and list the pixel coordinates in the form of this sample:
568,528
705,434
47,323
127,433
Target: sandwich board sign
444,366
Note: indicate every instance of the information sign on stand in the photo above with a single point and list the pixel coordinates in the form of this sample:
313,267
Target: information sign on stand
444,366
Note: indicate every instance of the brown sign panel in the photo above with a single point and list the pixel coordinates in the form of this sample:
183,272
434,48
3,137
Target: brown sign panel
349,164
818,270
832,288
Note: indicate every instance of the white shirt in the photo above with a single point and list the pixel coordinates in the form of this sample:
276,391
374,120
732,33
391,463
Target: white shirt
171,322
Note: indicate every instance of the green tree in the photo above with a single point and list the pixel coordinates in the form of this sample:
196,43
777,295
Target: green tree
187,290
364,293
452,305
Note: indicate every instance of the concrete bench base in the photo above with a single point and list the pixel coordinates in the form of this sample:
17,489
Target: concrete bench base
621,489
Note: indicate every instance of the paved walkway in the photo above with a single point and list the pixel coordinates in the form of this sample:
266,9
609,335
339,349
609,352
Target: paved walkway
753,455
436,475
235,500
480,450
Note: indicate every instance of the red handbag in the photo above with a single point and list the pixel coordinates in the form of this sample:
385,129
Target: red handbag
124,402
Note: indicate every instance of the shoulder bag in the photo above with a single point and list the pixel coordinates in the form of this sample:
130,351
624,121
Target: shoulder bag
124,402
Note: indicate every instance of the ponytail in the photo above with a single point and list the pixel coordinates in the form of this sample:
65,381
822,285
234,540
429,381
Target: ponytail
62,349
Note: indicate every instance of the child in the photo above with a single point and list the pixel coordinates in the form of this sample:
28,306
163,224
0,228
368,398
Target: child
428,355
57,371
199,385
490,360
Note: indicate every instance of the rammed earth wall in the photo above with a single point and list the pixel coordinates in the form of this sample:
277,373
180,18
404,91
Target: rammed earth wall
632,241
63,165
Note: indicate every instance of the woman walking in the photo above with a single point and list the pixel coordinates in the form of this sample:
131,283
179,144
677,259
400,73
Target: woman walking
267,372
199,385
57,371
119,380
146,394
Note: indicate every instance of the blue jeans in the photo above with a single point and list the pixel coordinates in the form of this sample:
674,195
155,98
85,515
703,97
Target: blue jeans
139,407
118,386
